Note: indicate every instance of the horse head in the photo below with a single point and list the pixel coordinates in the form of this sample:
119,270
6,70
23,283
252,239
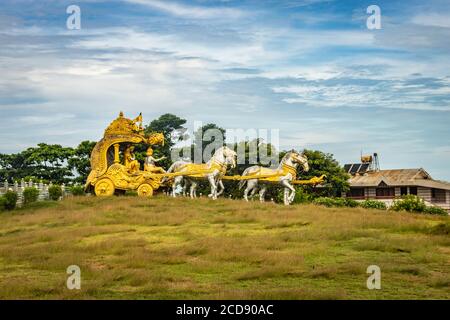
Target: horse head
230,156
296,157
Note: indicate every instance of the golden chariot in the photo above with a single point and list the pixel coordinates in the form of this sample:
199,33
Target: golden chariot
110,173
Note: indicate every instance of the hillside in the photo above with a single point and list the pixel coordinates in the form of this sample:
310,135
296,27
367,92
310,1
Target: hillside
163,248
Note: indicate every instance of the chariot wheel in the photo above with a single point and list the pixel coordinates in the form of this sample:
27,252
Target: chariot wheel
145,190
104,187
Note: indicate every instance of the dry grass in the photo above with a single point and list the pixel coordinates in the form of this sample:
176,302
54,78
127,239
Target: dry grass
163,248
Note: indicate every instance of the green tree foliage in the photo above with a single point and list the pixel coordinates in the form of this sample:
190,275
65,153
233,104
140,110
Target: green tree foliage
324,163
209,134
172,128
80,160
45,161
14,166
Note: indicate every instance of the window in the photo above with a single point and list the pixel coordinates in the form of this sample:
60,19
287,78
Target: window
385,192
403,191
356,193
413,190
438,195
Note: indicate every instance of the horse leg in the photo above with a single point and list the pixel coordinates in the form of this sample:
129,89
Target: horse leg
212,182
288,198
250,187
183,183
176,183
193,192
222,187
285,200
255,188
262,192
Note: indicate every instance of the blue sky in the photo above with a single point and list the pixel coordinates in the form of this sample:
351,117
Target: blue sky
310,68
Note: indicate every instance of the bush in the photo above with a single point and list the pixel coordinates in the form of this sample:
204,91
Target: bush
351,203
30,194
54,192
330,202
435,210
409,203
301,196
77,190
10,200
2,203
373,204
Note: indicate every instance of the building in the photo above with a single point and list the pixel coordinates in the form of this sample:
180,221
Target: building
369,182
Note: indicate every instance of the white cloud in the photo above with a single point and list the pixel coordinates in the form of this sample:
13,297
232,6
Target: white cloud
190,11
435,19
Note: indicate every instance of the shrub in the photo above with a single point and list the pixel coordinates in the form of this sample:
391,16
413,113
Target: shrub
330,202
435,210
373,204
351,203
409,203
2,203
301,196
10,200
54,192
77,190
30,194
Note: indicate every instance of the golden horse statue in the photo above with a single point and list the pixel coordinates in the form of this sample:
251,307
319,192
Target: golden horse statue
284,175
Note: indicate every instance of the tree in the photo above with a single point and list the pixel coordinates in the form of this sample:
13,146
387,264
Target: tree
324,163
167,124
14,166
45,161
49,162
80,160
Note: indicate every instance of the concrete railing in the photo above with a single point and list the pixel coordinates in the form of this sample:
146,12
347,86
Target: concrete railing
19,187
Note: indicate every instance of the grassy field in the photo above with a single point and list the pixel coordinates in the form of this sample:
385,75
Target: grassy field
164,248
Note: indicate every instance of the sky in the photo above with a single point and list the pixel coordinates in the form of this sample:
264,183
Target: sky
310,68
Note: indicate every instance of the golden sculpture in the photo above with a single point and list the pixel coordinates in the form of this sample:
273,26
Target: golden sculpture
112,174
108,175
150,162
130,162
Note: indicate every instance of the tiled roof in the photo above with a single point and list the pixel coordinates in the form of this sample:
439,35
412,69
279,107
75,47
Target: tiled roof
397,177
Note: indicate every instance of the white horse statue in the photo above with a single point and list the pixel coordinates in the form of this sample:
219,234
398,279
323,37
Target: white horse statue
284,174
213,171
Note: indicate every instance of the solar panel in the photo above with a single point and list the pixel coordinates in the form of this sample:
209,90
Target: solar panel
347,167
364,167
355,167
